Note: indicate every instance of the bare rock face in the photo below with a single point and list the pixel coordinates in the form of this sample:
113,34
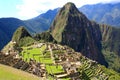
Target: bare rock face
72,28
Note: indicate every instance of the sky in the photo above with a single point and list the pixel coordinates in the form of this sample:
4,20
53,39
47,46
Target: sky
27,9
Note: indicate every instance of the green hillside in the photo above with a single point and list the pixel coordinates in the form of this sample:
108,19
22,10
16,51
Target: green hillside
21,35
111,46
9,73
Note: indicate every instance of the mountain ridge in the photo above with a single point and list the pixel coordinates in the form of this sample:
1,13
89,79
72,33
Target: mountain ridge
103,13
36,24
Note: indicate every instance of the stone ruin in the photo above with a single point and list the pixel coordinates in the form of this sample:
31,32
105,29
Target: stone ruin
31,67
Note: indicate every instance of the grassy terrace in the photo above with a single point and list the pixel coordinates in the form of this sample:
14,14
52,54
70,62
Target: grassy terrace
54,69
37,54
45,58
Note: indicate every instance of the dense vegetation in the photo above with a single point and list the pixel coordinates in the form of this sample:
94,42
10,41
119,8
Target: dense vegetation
111,46
44,37
111,38
88,70
22,37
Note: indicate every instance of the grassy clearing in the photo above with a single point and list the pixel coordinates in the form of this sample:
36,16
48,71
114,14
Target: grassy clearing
9,73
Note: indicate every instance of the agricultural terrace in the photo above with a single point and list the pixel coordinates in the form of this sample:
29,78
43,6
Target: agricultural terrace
43,54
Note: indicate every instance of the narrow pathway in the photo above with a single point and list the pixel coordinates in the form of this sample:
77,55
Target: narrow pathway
61,75
51,53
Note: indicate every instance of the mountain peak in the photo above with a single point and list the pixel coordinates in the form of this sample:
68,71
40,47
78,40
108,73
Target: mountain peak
69,9
20,33
69,5
71,27
67,18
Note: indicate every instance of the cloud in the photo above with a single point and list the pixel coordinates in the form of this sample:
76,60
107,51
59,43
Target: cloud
32,8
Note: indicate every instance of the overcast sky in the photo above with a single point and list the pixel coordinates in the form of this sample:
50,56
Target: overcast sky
26,9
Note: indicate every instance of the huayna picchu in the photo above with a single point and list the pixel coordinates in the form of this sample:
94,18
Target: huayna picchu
72,49
72,28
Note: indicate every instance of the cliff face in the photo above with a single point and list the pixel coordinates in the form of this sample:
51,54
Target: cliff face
72,28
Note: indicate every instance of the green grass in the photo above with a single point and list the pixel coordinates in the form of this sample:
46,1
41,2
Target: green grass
9,73
53,69
43,60
35,53
112,74
50,78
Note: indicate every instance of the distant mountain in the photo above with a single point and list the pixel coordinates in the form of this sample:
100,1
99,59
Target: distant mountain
36,25
103,13
42,22
7,28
